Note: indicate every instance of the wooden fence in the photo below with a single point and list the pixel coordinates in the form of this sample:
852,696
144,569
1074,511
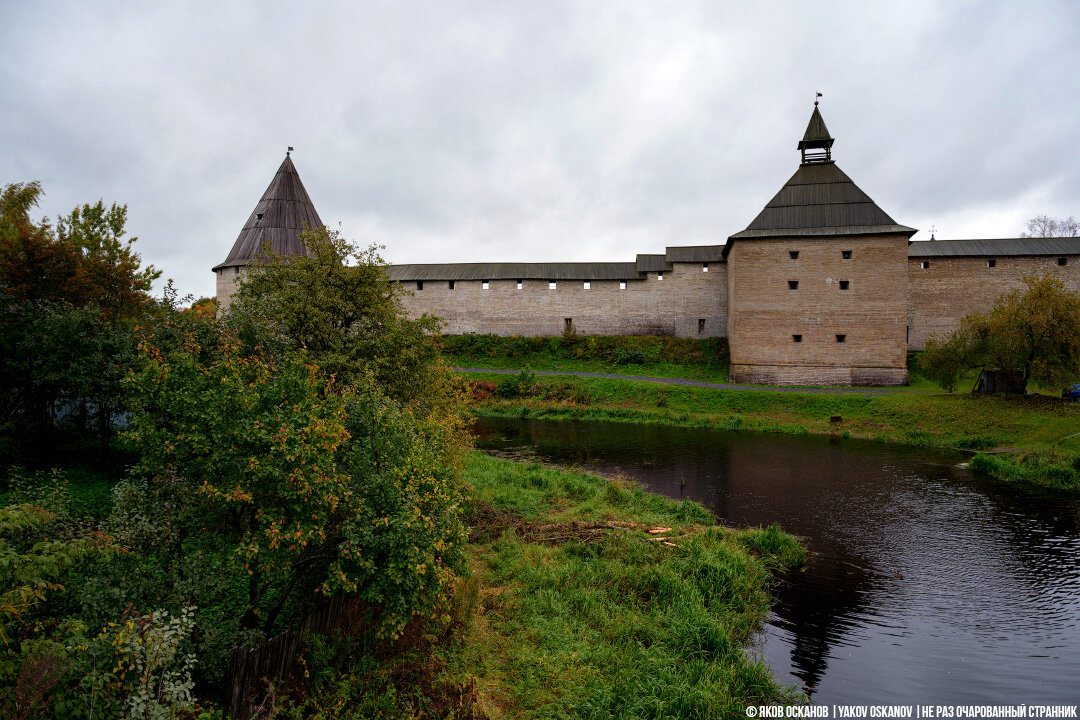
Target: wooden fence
252,670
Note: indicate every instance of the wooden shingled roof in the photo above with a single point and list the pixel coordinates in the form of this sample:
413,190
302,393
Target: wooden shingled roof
819,200
283,212
515,271
636,270
1059,246
816,135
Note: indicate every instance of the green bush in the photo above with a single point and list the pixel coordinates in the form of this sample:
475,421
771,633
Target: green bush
517,385
613,349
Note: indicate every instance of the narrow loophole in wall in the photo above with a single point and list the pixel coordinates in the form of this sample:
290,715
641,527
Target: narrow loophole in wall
701,325
991,263
451,284
841,338
796,338
793,284
845,254
419,284
484,284
845,284
1063,261
794,254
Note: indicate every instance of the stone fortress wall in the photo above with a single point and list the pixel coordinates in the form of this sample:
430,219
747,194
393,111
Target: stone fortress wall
937,297
685,301
941,294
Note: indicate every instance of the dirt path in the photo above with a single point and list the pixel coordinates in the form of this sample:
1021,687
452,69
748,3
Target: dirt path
696,383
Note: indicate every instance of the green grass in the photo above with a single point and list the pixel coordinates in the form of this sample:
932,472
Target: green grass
565,621
1035,438
624,627
685,358
704,373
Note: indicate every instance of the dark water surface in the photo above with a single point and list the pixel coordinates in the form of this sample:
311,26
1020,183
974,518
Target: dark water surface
927,583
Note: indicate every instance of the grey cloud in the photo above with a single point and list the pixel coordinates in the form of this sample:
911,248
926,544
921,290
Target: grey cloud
533,131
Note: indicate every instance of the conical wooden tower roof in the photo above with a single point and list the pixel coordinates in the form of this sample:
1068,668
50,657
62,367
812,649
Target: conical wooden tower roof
816,135
819,200
283,212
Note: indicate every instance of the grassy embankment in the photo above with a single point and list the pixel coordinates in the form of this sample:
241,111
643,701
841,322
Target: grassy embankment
704,360
1032,440
576,609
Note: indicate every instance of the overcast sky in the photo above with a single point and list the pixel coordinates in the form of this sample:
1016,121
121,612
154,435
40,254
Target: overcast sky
539,131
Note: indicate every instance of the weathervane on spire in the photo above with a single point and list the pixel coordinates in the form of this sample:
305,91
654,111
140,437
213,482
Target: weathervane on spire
815,100
289,150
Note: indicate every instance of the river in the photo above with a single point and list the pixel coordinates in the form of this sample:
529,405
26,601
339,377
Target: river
926,583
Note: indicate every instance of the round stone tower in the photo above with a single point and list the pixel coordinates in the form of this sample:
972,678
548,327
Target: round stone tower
283,212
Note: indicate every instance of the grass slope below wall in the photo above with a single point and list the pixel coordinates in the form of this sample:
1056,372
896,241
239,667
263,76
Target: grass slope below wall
686,358
1033,440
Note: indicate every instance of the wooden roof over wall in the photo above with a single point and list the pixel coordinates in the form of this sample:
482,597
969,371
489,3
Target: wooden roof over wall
1001,247
558,270
516,271
283,212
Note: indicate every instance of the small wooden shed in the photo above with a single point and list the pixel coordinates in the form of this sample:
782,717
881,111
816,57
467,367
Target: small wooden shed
999,381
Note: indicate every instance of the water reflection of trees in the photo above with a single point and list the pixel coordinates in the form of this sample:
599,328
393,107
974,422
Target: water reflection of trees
813,605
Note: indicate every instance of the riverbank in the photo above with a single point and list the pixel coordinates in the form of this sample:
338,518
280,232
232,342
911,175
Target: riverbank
588,598
1029,440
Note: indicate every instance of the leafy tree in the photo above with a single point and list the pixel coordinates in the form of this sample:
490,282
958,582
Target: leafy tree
82,262
69,300
1034,330
38,544
40,547
337,308
304,488
1043,226
111,270
205,307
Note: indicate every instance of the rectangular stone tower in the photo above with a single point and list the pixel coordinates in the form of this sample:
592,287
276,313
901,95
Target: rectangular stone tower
817,283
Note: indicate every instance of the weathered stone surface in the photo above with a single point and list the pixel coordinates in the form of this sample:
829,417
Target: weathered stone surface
952,287
747,299
782,335
228,280
673,305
